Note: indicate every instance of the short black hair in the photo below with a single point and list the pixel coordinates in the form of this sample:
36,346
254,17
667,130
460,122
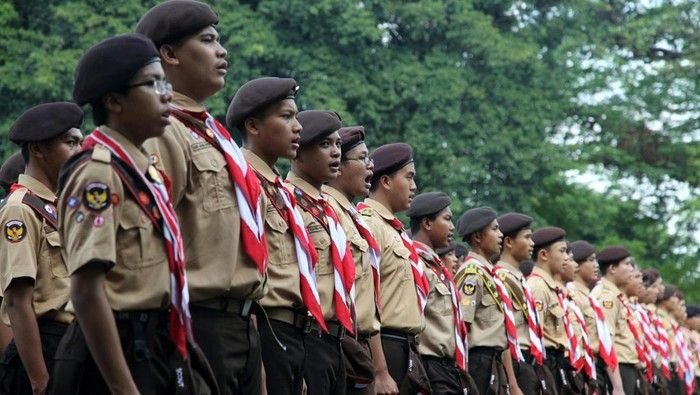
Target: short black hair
25,152
414,222
99,112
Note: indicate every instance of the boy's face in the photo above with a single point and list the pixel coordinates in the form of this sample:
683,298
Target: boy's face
441,229
557,254
277,130
141,108
355,172
202,60
521,245
320,160
59,149
401,187
588,270
491,238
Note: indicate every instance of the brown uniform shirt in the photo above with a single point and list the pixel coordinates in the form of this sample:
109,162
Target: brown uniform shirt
438,337
579,293
283,271
205,202
512,278
615,316
397,289
481,307
551,313
119,232
31,247
367,320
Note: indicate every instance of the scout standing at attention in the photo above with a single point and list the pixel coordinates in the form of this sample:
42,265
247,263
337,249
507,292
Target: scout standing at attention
265,113
34,278
486,304
404,285
216,194
443,343
354,182
318,162
121,239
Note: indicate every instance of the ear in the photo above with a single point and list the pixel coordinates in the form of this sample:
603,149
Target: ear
426,223
35,150
507,242
168,55
542,254
112,103
385,182
251,126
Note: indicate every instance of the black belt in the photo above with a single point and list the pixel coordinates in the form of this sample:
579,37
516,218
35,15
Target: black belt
229,305
334,329
529,358
393,334
488,351
364,337
142,324
294,318
51,327
449,361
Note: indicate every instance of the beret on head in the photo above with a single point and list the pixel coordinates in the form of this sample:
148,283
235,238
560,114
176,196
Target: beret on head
612,254
460,250
257,94
351,137
11,169
110,65
445,250
474,220
581,250
389,158
692,310
511,223
428,203
547,236
45,121
175,19
316,125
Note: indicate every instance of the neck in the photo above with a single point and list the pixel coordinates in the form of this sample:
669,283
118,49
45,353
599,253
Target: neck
34,171
544,267
508,258
383,199
335,185
306,177
423,238
580,281
270,160
181,84
480,251
125,130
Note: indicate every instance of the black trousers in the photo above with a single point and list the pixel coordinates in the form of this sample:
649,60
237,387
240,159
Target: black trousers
444,376
232,347
486,368
369,389
527,378
13,377
630,378
284,363
154,363
324,369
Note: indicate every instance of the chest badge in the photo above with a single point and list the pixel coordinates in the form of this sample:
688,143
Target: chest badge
608,304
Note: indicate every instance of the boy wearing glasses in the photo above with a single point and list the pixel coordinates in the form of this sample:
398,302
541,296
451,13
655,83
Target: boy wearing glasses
216,194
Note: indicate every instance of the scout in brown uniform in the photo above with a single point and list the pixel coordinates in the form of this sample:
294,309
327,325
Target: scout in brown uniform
120,238
653,285
217,197
265,113
443,343
318,162
668,303
448,257
481,302
354,182
33,275
549,253
616,269
392,187
517,247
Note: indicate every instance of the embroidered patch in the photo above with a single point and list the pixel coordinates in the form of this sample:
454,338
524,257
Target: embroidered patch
15,230
115,199
155,174
98,221
155,159
469,287
502,274
79,217
210,133
50,209
608,304
72,202
539,305
96,196
144,198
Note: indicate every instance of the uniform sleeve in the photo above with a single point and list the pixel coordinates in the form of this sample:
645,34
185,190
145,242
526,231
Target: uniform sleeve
89,211
470,291
611,309
170,153
19,244
540,294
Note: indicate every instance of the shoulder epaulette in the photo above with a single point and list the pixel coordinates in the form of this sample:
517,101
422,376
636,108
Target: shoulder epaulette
101,154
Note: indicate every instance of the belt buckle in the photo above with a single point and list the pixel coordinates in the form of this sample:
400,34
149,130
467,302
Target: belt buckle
308,324
245,309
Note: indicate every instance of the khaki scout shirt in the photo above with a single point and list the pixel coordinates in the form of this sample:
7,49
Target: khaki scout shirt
367,320
615,316
512,279
114,228
481,306
544,291
283,271
438,337
205,201
579,293
397,289
322,241
31,247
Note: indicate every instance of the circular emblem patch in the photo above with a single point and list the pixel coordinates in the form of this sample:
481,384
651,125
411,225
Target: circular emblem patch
15,230
96,196
608,304
538,305
72,202
469,288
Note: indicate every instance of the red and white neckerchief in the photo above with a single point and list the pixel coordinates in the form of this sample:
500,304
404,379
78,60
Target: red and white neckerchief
606,349
246,185
686,367
649,339
585,361
434,262
375,253
305,253
564,302
534,327
638,341
664,345
180,320
507,304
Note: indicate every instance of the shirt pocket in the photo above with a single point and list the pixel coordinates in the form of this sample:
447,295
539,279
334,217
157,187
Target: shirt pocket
403,260
137,245
360,248
556,319
213,181
491,307
279,240
323,248
444,299
51,253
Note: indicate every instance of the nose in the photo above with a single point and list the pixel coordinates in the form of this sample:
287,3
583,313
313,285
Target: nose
452,226
296,126
413,185
166,97
335,152
221,52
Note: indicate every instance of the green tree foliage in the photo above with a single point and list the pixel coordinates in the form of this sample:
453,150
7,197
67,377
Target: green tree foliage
503,101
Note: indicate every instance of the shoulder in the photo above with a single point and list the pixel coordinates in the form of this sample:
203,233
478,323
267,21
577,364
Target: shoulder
17,219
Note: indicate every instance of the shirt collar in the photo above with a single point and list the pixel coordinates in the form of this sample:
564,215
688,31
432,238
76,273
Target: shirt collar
380,209
339,197
137,154
303,185
186,103
480,258
611,286
516,272
260,165
36,187
546,277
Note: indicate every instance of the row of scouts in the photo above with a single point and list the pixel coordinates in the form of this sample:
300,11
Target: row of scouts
162,258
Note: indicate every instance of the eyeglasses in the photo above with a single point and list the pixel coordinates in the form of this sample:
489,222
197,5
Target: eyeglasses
161,87
366,160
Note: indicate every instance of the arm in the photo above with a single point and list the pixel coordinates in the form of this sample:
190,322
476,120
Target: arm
97,322
510,372
616,381
19,297
383,383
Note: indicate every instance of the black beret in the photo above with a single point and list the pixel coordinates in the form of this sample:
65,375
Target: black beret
351,137
257,94
511,223
546,236
692,310
317,124
45,121
428,203
445,250
110,65
11,169
581,250
460,250
390,157
175,19
612,254
474,220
